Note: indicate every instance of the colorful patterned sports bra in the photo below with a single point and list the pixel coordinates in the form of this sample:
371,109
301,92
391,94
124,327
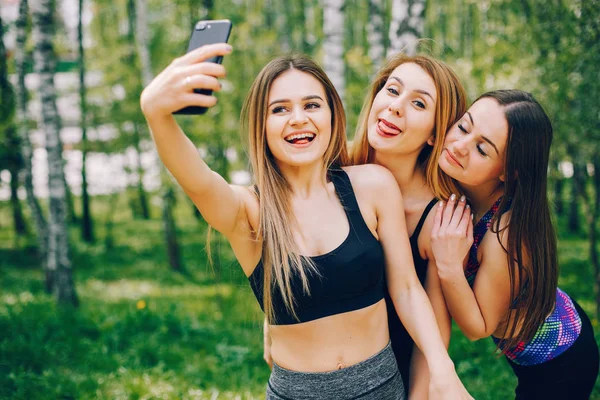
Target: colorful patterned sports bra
555,335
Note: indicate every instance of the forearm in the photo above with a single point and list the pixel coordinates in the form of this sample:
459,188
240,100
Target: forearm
463,306
416,313
419,376
179,154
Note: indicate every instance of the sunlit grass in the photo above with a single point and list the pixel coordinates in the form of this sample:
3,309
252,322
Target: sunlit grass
143,331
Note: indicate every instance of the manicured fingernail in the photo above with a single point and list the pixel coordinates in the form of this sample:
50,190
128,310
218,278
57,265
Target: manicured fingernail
441,204
453,197
228,47
462,198
467,206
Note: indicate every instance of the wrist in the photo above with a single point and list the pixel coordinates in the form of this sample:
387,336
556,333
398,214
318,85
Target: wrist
449,270
440,366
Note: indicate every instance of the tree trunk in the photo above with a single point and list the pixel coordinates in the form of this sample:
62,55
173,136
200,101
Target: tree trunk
41,225
133,27
168,195
577,186
333,43
59,268
559,203
406,26
594,231
375,33
9,138
17,211
87,227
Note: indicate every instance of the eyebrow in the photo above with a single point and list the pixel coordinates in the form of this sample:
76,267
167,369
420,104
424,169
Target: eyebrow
426,93
312,96
483,137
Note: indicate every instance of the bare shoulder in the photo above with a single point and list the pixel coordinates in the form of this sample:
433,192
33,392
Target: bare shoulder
493,246
372,178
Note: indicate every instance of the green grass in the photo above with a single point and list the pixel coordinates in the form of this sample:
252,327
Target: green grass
145,332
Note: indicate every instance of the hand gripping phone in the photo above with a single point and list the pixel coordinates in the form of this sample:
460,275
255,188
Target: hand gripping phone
206,32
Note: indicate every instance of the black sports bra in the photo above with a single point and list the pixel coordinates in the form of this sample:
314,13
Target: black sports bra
349,278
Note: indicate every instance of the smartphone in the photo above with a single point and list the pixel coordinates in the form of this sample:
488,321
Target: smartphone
206,32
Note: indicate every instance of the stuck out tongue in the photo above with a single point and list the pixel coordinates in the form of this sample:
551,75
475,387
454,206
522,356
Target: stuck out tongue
387,129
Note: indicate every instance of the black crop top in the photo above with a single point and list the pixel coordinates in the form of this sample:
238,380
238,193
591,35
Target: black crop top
350,277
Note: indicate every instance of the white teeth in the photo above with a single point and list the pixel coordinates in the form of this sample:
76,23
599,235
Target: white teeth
300,136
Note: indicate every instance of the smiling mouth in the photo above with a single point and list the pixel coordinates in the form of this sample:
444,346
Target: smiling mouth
453,159
387,129
300,138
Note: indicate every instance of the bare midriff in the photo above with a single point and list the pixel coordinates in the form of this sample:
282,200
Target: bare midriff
331,343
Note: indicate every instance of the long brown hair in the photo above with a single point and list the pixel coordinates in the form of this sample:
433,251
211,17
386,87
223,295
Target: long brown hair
531,236
450,107
280,258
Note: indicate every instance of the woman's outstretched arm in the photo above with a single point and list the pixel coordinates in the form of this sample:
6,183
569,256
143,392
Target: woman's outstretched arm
171,90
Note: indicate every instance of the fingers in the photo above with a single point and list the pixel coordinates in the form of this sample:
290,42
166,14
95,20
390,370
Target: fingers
449,211
470,231
437,219
464,219
204,68
204,53
192,82
196,99
459,212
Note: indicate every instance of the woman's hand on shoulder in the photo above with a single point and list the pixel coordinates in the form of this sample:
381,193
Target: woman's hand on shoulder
451,236
173,88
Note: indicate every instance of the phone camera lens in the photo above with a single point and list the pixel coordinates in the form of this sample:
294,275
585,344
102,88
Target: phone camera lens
201,26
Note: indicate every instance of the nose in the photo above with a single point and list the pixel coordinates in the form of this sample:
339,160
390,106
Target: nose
461,145
396,107
298,116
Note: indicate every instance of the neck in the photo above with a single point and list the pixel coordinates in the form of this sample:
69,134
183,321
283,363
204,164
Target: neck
482,197
304,179
410,177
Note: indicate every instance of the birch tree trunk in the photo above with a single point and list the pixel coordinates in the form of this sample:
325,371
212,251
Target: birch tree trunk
333,43
406,26
143,201
9,139
375,33
41,225
87,228
168,193
59,268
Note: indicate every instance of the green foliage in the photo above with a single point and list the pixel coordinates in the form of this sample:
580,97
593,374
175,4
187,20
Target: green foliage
144,331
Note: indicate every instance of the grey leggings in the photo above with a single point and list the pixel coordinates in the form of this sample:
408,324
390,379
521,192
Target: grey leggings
376,378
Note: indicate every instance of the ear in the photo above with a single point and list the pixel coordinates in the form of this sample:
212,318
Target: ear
503,176
431,140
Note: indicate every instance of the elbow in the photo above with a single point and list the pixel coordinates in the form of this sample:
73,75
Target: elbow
475,335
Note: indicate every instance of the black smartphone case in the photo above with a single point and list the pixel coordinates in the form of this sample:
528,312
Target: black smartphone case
206,32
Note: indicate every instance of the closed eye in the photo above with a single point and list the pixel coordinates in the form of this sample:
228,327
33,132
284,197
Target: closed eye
462,128
481,151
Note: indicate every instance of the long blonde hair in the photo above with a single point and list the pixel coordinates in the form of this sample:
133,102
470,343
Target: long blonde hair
280,258
450,107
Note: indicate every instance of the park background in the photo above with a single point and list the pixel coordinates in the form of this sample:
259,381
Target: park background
106,291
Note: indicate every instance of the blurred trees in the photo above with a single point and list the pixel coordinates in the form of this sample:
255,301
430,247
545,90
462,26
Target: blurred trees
550,48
